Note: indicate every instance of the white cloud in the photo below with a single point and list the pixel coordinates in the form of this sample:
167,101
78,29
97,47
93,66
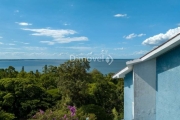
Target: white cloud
119,48
77,48
60,54
178,24
133,35
23,23
140,52
21,42
31,55
1,37
120,15
16,11
130,36
1,43
35,48
140,35
48,42
70,39
104,51
59,36
66,24
24,43
12,53
90,53
162,37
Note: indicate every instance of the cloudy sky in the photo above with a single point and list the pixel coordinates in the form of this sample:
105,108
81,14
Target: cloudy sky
56,29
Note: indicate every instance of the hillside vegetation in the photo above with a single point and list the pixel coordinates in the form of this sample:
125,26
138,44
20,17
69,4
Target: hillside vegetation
60,93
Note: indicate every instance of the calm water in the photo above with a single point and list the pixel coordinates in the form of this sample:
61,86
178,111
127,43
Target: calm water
38,64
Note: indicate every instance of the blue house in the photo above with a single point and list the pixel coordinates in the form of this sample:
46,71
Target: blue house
152,84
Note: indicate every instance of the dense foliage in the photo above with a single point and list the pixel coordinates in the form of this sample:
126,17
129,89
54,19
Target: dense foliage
67,91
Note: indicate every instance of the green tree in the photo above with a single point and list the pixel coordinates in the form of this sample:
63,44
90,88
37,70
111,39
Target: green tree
6,116
11,72
95,95
22,70
73,80
45,69
2,73
23,97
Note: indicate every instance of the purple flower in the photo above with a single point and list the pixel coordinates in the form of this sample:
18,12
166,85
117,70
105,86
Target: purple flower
72,110
65,116
34,116
72,114
69,106
41,111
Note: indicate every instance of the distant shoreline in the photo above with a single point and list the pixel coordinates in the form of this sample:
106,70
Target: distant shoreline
56,59
38,64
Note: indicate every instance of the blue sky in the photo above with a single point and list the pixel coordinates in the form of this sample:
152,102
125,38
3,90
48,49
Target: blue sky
58,29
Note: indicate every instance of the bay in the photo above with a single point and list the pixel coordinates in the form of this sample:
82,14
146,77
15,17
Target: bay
38,64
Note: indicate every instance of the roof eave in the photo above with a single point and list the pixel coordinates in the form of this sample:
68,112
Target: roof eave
132,62
123,72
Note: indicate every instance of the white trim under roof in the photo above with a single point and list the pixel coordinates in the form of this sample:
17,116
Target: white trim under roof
123,72
171,43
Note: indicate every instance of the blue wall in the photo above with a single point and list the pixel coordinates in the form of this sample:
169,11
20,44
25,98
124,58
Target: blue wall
145,90
168,85
128,96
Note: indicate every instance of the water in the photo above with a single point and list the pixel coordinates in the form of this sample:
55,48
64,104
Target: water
38,64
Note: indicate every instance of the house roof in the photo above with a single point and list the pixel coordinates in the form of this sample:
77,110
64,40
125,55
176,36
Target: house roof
168,45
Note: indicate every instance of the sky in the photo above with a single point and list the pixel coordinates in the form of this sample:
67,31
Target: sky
60,29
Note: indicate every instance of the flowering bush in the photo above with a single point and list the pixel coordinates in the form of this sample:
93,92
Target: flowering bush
72,110
68,114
